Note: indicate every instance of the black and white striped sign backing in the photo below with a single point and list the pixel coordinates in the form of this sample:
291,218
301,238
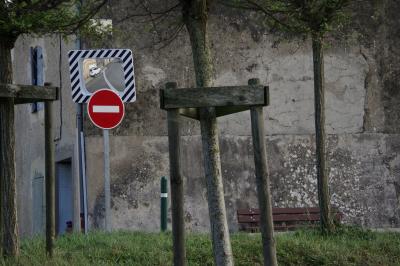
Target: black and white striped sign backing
79,92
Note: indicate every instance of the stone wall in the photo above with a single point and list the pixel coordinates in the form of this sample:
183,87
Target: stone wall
362,106
362,109
29,125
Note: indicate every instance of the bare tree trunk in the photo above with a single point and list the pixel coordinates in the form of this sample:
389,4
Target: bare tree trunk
8,207
319,101
195,14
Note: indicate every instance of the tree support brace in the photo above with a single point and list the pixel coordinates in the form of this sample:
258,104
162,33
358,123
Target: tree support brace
22,94
225,100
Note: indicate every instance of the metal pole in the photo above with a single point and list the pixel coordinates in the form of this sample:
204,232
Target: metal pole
107,196
164,203
81,152
76,185
84,184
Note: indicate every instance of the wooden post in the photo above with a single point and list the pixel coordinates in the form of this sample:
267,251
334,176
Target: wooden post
50,177
11,94
263,183
176,180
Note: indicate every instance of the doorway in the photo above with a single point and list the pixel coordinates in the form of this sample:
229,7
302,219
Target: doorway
38,205
64,197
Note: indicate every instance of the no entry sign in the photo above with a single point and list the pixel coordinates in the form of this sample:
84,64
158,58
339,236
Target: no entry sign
105,109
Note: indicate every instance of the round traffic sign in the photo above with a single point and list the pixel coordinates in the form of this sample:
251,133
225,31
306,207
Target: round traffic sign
105,109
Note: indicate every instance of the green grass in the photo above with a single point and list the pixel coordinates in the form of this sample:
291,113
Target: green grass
349,246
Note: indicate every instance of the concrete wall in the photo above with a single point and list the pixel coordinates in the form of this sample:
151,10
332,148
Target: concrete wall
30,126
363,135
363,177
362,104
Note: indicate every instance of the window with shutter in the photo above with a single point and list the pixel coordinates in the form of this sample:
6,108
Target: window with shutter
37,66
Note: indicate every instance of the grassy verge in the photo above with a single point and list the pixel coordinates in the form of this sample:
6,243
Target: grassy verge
349,246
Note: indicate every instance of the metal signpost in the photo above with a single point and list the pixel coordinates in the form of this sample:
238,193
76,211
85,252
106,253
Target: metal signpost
106,110
105,106
164,204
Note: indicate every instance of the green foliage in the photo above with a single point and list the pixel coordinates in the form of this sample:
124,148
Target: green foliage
45,16
299,17
97,33
348,246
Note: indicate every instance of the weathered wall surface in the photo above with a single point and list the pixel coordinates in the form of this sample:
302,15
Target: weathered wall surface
361,109
363,174
362,101
378,25
30,126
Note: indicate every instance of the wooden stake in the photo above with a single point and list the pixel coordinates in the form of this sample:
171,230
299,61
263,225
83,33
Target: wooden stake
263,183
50,177
176,180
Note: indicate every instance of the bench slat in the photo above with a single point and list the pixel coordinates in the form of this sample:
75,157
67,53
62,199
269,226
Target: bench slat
279,218
312,210
294,210
296,217
284,218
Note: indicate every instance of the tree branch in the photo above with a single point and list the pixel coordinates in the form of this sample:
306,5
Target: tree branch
149,12
80,22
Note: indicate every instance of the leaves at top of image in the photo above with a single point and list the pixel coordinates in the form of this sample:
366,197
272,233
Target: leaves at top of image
301,17
45,16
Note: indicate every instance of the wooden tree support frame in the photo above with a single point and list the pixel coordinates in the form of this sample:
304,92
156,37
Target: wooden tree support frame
30,94
226,100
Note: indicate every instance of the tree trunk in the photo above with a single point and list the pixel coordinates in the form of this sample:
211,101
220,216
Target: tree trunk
195,18
8,207
319,101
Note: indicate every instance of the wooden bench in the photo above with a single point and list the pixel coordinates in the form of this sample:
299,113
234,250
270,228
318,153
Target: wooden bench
284,218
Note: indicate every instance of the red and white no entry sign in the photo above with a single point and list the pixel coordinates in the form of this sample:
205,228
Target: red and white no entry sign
105,109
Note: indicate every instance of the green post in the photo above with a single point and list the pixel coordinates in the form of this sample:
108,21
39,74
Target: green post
164,204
